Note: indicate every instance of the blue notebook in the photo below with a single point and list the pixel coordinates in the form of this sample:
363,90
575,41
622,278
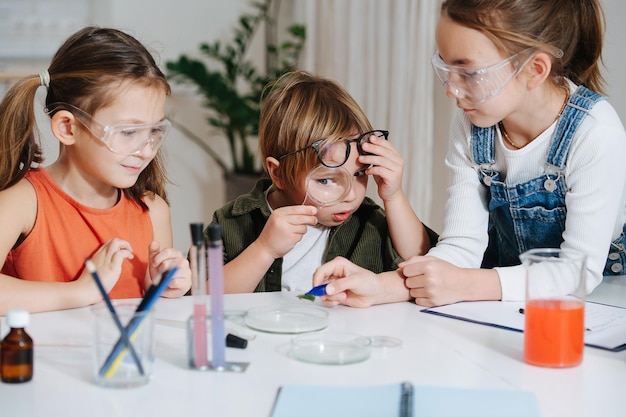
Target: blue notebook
387,400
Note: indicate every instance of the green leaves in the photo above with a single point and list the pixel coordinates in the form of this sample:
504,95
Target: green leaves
232,85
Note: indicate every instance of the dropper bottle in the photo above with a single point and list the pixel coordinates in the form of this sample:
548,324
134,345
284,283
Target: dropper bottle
16,349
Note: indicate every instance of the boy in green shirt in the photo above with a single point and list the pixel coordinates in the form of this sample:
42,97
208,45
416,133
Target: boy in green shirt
276,235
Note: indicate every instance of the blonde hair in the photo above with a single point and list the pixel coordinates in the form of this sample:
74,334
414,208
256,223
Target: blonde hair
299,109
575,27
81,73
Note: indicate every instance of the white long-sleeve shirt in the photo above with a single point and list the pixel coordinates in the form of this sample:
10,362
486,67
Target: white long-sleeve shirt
595,175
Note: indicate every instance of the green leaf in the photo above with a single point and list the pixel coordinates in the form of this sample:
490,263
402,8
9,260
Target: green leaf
231,83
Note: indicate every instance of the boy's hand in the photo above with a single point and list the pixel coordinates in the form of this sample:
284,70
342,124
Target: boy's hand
285,227
386,166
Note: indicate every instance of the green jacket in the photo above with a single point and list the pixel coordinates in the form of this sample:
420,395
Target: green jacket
363,238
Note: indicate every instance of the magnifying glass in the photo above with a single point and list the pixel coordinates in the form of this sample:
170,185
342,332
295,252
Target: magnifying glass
326,186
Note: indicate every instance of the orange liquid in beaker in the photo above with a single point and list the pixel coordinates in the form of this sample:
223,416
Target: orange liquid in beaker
554,332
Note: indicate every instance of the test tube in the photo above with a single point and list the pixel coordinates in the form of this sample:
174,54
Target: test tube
197,258
216,286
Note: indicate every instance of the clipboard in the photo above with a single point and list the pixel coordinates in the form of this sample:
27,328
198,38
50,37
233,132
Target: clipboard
606,324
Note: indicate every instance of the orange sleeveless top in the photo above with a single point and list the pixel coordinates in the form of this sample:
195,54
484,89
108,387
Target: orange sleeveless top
66,232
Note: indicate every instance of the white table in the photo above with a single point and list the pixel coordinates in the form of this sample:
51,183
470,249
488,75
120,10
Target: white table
436,351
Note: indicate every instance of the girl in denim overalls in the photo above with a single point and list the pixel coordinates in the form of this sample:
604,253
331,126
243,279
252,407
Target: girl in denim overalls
536,155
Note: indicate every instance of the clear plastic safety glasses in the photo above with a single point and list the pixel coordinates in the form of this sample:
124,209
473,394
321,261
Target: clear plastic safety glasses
478,85
124,139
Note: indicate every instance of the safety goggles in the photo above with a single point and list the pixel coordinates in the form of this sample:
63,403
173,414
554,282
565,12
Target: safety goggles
336,154
478,85
124,139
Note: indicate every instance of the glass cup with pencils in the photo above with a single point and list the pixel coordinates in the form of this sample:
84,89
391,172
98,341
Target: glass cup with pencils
122,368
554,327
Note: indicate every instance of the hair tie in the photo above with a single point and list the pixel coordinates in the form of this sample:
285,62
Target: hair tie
44,78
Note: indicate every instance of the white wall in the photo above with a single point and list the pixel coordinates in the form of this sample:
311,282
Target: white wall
171,28
615,54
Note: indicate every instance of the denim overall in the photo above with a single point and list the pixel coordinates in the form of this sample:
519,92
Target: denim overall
532,214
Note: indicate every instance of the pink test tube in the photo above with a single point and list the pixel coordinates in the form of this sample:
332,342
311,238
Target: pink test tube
197,256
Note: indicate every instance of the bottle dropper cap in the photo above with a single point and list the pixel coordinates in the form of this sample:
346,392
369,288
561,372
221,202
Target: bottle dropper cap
197,234
18,318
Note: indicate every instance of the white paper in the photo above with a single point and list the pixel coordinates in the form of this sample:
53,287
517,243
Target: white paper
606,325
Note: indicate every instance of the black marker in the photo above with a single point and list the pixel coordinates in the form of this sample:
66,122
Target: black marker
235,341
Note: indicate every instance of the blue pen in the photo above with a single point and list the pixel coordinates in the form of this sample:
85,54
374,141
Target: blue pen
318,291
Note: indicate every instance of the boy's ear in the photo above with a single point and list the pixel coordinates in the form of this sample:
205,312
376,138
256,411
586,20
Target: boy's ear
538,69
62,125
271,166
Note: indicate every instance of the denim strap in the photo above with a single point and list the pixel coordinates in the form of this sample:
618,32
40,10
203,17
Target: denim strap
575,111
579,104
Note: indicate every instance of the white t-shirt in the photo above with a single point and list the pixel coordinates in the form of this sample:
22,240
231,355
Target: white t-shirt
301,261
595,174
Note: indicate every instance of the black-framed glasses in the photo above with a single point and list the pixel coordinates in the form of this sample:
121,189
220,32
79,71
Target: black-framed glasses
336,154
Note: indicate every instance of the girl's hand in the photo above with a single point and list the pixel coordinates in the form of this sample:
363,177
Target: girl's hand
348,283
434,282
386,166
108,261
160,261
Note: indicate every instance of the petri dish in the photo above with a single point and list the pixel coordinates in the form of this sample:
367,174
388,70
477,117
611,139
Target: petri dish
288,318
331,348
385,342
383,346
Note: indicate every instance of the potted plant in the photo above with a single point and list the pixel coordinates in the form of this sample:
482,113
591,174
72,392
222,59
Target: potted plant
231,85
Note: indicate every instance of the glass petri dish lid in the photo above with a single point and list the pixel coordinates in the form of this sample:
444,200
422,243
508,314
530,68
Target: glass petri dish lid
288,318
331,348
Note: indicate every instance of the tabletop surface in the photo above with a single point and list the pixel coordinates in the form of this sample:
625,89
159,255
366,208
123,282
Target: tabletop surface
435,351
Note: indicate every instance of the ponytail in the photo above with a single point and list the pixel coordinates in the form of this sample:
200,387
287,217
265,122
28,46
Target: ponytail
582,66
20,145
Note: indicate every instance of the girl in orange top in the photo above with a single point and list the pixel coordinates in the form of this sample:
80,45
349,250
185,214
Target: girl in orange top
104,197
